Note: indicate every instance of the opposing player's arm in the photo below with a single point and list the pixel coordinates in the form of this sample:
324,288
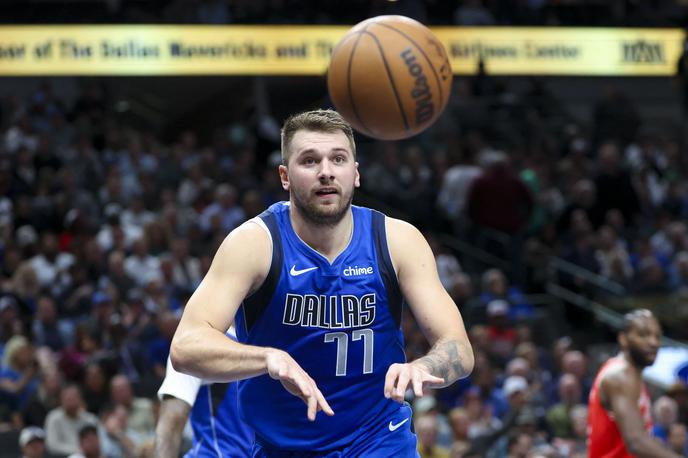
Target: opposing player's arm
621,393
451,355
168,432
200,347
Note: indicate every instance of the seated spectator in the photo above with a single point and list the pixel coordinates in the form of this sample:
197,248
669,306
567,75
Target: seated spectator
559,415
63,424
679,273
140,410
665,412
426,426
47,330
44,399
114,435
19,376
612,256
460,425
226,208
89,443
32,442
502,334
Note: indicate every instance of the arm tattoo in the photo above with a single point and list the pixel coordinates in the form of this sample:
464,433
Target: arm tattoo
446,360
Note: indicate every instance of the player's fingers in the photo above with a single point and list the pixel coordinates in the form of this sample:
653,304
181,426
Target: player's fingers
322,403
417,385
430,379
402,384
312,407
390,380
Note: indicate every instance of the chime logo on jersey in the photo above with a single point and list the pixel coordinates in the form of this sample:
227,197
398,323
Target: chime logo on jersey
329,312
355,271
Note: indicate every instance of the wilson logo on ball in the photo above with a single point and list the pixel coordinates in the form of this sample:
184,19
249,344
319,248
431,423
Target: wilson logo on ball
421,90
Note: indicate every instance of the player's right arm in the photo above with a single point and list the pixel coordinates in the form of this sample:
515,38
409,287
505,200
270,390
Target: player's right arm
622,393
200,347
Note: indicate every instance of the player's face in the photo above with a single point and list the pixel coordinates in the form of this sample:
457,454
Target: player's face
321,175
642,341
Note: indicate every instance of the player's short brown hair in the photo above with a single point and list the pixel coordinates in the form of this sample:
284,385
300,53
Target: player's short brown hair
317,121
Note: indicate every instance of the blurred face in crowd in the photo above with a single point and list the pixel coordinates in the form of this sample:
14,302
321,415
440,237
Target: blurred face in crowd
569,389
427,430
71,401
574,362
320,175
34,449
120,390
642,340
90,445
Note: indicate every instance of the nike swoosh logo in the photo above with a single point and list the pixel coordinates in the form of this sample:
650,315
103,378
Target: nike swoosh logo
294,273
393,427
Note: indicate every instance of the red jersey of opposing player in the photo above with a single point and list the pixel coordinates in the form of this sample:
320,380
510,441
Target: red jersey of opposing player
604,437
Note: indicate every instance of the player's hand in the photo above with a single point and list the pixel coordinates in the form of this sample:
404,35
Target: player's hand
295,380
399,376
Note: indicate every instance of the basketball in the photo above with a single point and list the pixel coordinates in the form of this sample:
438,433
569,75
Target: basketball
390,77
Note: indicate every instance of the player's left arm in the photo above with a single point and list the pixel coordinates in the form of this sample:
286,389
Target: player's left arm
451,355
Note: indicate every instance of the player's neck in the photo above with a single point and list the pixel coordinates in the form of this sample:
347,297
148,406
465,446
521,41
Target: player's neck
631,365
328,240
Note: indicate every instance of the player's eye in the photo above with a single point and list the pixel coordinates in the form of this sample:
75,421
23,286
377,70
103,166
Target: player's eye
339,159
308,161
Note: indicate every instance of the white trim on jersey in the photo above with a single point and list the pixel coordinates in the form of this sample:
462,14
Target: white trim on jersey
216,445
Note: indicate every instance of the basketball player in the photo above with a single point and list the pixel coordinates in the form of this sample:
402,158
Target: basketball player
318,285
620,415
218,431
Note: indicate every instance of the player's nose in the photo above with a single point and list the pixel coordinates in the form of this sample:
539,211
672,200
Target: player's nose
326,170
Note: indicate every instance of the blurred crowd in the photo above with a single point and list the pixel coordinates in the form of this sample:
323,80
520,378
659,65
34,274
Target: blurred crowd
612,13
105,231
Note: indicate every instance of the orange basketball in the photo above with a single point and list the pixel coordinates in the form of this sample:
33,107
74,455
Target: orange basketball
390,77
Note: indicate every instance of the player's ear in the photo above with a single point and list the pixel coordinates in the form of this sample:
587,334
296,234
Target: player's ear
622,339
284,177
357,178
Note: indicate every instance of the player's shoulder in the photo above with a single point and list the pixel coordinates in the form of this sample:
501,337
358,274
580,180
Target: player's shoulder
619,377
402,231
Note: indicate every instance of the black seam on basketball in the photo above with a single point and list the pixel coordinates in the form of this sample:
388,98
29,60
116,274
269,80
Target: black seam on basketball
391,79
348,82
432,67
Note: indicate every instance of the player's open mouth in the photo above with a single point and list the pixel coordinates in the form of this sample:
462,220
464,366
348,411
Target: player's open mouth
326,192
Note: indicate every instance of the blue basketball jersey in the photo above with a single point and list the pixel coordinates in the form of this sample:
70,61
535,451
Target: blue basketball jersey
218,430
340,321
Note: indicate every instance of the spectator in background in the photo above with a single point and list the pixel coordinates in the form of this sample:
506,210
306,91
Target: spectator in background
44,399
612,256
140,265
665,412
89,443
115,438
95,387
225,209
455,185
498,199
614,185
32,442
679,273
19,376
140,410
559,415
47,330
427,428
63,424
